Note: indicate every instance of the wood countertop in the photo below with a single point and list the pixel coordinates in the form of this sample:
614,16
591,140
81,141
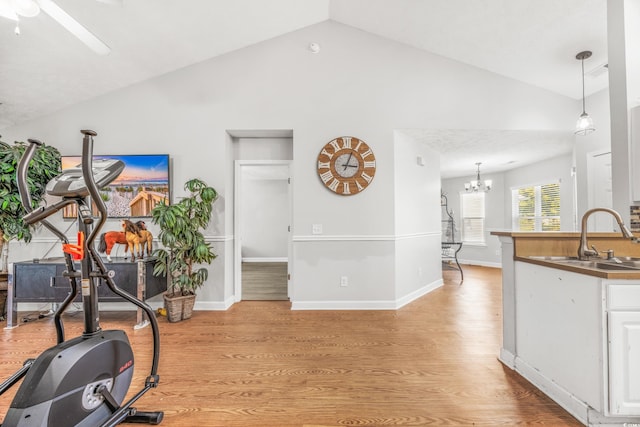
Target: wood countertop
566,243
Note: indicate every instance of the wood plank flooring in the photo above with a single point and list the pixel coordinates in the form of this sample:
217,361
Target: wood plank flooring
264,281
433,362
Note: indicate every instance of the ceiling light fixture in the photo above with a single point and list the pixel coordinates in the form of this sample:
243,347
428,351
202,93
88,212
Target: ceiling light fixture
26,8
477,184
14,9
584,125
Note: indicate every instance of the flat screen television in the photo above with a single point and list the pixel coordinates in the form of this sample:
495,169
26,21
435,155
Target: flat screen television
143,184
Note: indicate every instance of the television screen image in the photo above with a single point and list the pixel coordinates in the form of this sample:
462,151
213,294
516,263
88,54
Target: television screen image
143,184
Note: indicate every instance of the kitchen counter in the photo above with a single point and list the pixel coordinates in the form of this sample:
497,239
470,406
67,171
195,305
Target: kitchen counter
572,327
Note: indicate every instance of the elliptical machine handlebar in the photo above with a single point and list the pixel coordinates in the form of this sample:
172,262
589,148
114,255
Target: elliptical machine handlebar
38,215
94,192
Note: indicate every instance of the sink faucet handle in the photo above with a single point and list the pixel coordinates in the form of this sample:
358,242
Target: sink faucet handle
597,252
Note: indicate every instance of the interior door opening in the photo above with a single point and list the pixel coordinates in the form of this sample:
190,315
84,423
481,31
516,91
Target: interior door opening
261,162
262,230
263,221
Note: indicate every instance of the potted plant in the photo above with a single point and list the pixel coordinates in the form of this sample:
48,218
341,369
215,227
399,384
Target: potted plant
44,166
184,247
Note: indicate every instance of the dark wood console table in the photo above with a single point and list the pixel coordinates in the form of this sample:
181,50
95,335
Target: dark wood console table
41,281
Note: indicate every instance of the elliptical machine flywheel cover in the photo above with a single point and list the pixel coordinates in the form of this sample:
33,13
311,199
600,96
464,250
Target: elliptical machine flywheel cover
61,388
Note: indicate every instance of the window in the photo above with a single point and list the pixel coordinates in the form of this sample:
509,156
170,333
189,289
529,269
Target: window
473,218
536,208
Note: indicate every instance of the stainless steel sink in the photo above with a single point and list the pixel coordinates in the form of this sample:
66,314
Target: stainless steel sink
604,265
554,258
616,266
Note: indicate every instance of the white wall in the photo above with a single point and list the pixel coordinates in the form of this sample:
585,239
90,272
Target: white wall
359,84
417,217
265,217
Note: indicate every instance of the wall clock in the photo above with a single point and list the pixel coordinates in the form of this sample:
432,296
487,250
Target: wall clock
346,165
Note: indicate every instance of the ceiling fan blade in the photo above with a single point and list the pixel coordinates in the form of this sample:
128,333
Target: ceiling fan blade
74,27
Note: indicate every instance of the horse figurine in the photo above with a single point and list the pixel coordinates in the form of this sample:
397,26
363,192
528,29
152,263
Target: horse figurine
146,238
110,238
132,236
108,241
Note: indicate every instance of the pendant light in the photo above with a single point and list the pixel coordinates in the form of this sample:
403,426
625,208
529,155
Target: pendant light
584,125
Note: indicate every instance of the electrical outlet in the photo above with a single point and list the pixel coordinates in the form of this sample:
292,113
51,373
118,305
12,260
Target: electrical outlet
316,229
344,281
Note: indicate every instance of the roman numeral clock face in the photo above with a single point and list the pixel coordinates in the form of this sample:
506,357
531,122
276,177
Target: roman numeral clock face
346,165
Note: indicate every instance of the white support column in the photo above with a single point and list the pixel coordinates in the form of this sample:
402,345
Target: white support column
624,93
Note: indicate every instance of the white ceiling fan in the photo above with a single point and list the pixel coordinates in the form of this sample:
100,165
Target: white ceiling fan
14,9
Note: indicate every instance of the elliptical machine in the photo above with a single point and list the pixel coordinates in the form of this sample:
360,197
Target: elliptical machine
82,381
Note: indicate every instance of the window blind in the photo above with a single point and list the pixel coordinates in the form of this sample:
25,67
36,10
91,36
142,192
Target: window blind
536,208
473,213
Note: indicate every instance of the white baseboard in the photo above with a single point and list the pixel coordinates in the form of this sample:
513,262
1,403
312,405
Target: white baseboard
214,305
366,305
401,302
266,259
343,305
558,394
480,263
507,358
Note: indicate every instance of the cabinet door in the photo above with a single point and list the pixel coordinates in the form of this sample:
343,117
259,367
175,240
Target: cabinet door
624,362
33,282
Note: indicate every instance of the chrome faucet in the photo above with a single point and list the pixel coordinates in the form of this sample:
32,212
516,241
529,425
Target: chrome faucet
583,250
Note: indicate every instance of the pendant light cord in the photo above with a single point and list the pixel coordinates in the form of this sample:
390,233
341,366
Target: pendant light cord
584,110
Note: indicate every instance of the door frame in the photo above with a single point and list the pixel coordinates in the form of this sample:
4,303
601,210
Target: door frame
593,186
237,227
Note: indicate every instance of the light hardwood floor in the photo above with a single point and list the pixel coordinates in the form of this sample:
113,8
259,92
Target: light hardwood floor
264,281
432,362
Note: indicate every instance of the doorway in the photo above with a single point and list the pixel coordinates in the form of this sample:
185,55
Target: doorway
262,218
600,187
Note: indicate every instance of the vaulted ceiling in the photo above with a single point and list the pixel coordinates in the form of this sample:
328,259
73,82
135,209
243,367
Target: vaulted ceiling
46,68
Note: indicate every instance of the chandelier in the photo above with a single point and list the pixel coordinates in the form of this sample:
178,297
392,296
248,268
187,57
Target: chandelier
478,184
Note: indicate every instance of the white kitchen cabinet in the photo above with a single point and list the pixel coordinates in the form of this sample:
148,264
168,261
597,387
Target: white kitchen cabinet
577,338
624,350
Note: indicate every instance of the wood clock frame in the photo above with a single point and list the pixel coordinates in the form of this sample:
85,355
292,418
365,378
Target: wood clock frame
346,165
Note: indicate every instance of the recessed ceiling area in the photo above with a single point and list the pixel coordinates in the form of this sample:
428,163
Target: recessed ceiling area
500,150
